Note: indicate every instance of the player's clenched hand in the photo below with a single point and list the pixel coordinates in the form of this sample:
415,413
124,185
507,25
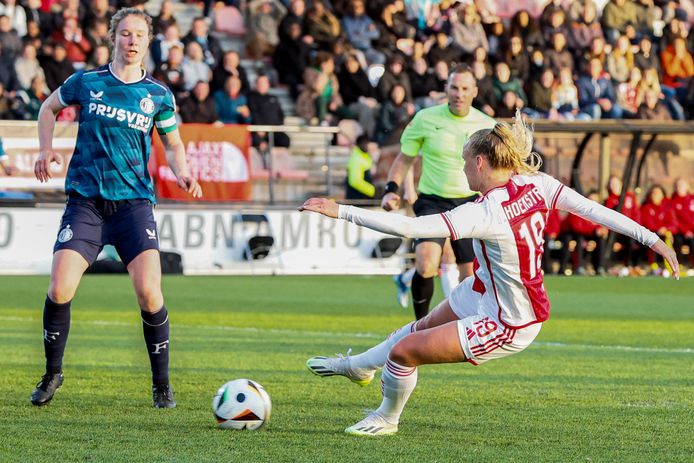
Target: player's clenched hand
323,206
190,185
669,255
391,202
42,166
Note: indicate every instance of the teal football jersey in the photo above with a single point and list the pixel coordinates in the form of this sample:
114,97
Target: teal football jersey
114,138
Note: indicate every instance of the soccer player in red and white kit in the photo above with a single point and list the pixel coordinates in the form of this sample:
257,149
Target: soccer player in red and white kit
500,309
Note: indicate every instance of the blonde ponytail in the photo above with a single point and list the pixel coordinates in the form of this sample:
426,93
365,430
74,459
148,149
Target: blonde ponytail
507,146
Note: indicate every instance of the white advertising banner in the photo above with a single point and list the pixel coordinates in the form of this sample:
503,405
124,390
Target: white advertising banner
213,241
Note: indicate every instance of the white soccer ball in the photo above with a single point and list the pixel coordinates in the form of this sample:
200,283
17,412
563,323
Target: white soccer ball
241,404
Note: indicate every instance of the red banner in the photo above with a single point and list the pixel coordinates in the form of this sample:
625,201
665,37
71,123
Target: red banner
218,159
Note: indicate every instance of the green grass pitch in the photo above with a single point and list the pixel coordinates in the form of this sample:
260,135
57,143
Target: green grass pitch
610,377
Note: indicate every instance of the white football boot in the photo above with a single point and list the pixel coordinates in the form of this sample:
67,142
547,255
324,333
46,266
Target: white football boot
373,425
340,366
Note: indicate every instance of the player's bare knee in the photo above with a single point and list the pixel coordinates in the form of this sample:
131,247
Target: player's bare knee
427,269
60,293
150,299
402,353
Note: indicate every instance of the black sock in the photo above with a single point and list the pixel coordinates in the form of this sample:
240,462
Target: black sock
56,326
422,292
155,327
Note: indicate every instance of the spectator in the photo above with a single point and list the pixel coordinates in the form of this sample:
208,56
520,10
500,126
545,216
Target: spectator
480,56
170,72
646,15
231,105
657,215
653,109
497,38
359,184
265,16
199,32
34,35
537,65
266,110
10,43
229,66
394,115
16,15
322,25
645,57
97,33
165,18
617,16
517,59
77,47
8,105
27,66
485,100
621,60
295,15
553,6
503,82
32,98
584,30
358,95
290,58
394,74
682,202
423,83
678,68
528,29
321,94
627,93
540,104
444,50
650,83
558,56
596,93
468,32
441,74
360,30
100,57
194,67
565,97
556,25
56,67
598,49
510,102
37,18
198,107
395,33
99,10
162,43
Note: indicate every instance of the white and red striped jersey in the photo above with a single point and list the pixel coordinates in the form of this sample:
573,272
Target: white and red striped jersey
507,225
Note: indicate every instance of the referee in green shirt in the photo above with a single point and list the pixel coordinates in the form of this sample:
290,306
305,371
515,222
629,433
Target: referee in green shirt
439,134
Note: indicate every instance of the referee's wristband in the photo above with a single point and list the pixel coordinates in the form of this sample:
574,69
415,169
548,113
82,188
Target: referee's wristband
392,187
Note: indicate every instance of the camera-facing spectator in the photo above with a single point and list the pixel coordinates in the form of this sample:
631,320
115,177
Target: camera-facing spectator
497,37
199,33
360,30
199,107
263,30
557,25
194,66
565,97
56,67
627,93
652,109
32,98
266,110
503,82
558,56
394,74
517,58
163,43
97,33
77,47
646,57
443,49
528,29
540,93
467,30
394,114
621,60
678,68
232,105
584,30
165,18
27,66
16,15
617,16
170,72
290,59
322,25
485,100
100,57
423,83
358,96
10,43
596,94
229,66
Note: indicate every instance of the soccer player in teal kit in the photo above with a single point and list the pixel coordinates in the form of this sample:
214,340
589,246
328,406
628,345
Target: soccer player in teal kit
110,194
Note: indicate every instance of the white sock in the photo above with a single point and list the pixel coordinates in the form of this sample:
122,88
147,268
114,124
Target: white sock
449,278
377,355
406,277
397,383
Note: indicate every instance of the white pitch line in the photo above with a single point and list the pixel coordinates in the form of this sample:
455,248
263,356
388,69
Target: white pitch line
662,350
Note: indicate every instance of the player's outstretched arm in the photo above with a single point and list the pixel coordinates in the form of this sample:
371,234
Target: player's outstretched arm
46,124
176,158
430,226
575,203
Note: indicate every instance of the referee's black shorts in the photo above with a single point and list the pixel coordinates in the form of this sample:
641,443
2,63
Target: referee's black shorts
432,204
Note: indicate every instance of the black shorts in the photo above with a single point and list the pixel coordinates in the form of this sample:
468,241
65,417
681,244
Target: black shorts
89,224
432,204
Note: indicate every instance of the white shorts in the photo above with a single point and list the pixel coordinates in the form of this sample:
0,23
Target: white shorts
482,335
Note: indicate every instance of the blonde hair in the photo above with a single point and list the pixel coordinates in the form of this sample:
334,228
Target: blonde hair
507,146
121,15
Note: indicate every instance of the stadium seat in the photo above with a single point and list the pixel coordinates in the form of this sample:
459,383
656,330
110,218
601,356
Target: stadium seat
386,247
258,242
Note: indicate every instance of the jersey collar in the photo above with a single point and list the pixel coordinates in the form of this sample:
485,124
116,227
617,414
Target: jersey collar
144,74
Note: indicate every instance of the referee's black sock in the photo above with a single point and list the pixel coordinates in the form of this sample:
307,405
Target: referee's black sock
155,327
422,292
56,326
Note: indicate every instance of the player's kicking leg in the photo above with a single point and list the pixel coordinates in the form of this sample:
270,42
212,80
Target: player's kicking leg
360,368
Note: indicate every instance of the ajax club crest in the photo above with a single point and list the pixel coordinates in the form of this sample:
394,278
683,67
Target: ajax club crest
147,105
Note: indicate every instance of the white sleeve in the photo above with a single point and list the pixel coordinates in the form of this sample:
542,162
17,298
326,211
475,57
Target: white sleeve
428,226
569,200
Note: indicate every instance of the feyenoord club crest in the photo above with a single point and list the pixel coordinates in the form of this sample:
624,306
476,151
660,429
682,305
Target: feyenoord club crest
147,105
65,234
